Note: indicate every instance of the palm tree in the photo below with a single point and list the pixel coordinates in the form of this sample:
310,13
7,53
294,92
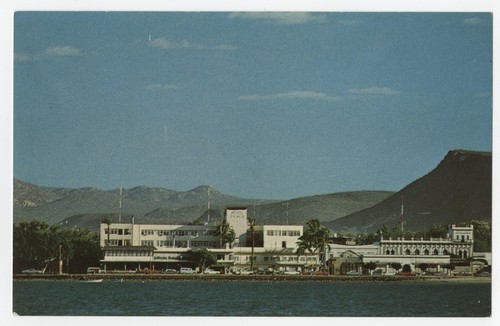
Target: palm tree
315,239
107,221
226,234
251,222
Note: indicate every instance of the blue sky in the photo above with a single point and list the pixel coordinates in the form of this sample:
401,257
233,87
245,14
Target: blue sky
260,105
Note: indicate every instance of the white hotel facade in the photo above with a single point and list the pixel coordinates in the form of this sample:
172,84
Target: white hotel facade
130,246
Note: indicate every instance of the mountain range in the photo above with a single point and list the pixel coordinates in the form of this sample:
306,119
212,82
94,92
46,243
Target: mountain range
458,189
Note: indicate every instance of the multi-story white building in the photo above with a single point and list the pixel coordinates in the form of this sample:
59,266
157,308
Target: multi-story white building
129,246
133,246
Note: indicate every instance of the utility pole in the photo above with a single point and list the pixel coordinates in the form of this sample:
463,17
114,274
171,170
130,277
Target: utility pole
120,204
208,216
60,260
252,232
401,218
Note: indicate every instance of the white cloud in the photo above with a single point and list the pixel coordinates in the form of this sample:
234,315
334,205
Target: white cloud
294,95
281,18
24,57
473,21
160,87
483,94
168,44
62,51
373,91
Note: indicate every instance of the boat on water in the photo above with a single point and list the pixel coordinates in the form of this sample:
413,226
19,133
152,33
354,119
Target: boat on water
96,280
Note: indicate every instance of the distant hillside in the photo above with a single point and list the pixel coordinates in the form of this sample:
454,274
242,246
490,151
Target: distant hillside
53,205
86,207
458,189
322,207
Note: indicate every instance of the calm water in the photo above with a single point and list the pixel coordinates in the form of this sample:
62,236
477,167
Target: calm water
62,298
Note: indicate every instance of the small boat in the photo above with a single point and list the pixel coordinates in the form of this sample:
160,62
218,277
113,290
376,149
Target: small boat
96,280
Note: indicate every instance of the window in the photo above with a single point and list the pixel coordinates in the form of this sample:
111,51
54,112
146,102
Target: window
435,252
407,252
426,252
283,244
112,242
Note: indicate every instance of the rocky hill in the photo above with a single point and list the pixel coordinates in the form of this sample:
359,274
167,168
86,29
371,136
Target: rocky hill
458,189
322,207
86,207
53,205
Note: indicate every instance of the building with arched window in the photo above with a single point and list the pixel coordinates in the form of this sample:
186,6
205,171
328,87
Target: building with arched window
438,252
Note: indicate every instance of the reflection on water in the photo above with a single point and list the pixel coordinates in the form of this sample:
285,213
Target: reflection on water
58,298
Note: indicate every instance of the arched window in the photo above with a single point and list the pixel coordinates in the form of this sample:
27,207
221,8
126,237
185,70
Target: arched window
417,252
407,251
465,254
435,252
392,252
426,252
445,252
460,253
387,252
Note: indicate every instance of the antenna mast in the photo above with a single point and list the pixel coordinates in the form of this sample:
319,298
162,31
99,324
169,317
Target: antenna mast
208,216
120,206
401,217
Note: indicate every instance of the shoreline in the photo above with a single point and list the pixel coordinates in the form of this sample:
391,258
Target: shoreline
250,278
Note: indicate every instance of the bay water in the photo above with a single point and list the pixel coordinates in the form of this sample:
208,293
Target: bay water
315,299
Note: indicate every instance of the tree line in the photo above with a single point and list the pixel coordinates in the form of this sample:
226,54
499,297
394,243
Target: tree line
39,245
482,234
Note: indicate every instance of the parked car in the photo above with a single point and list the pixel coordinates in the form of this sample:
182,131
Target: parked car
32,271
95,270
318,273
483,274
187,270
210,271
245,272
353,273
378,272
291,273
150,271
169,271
